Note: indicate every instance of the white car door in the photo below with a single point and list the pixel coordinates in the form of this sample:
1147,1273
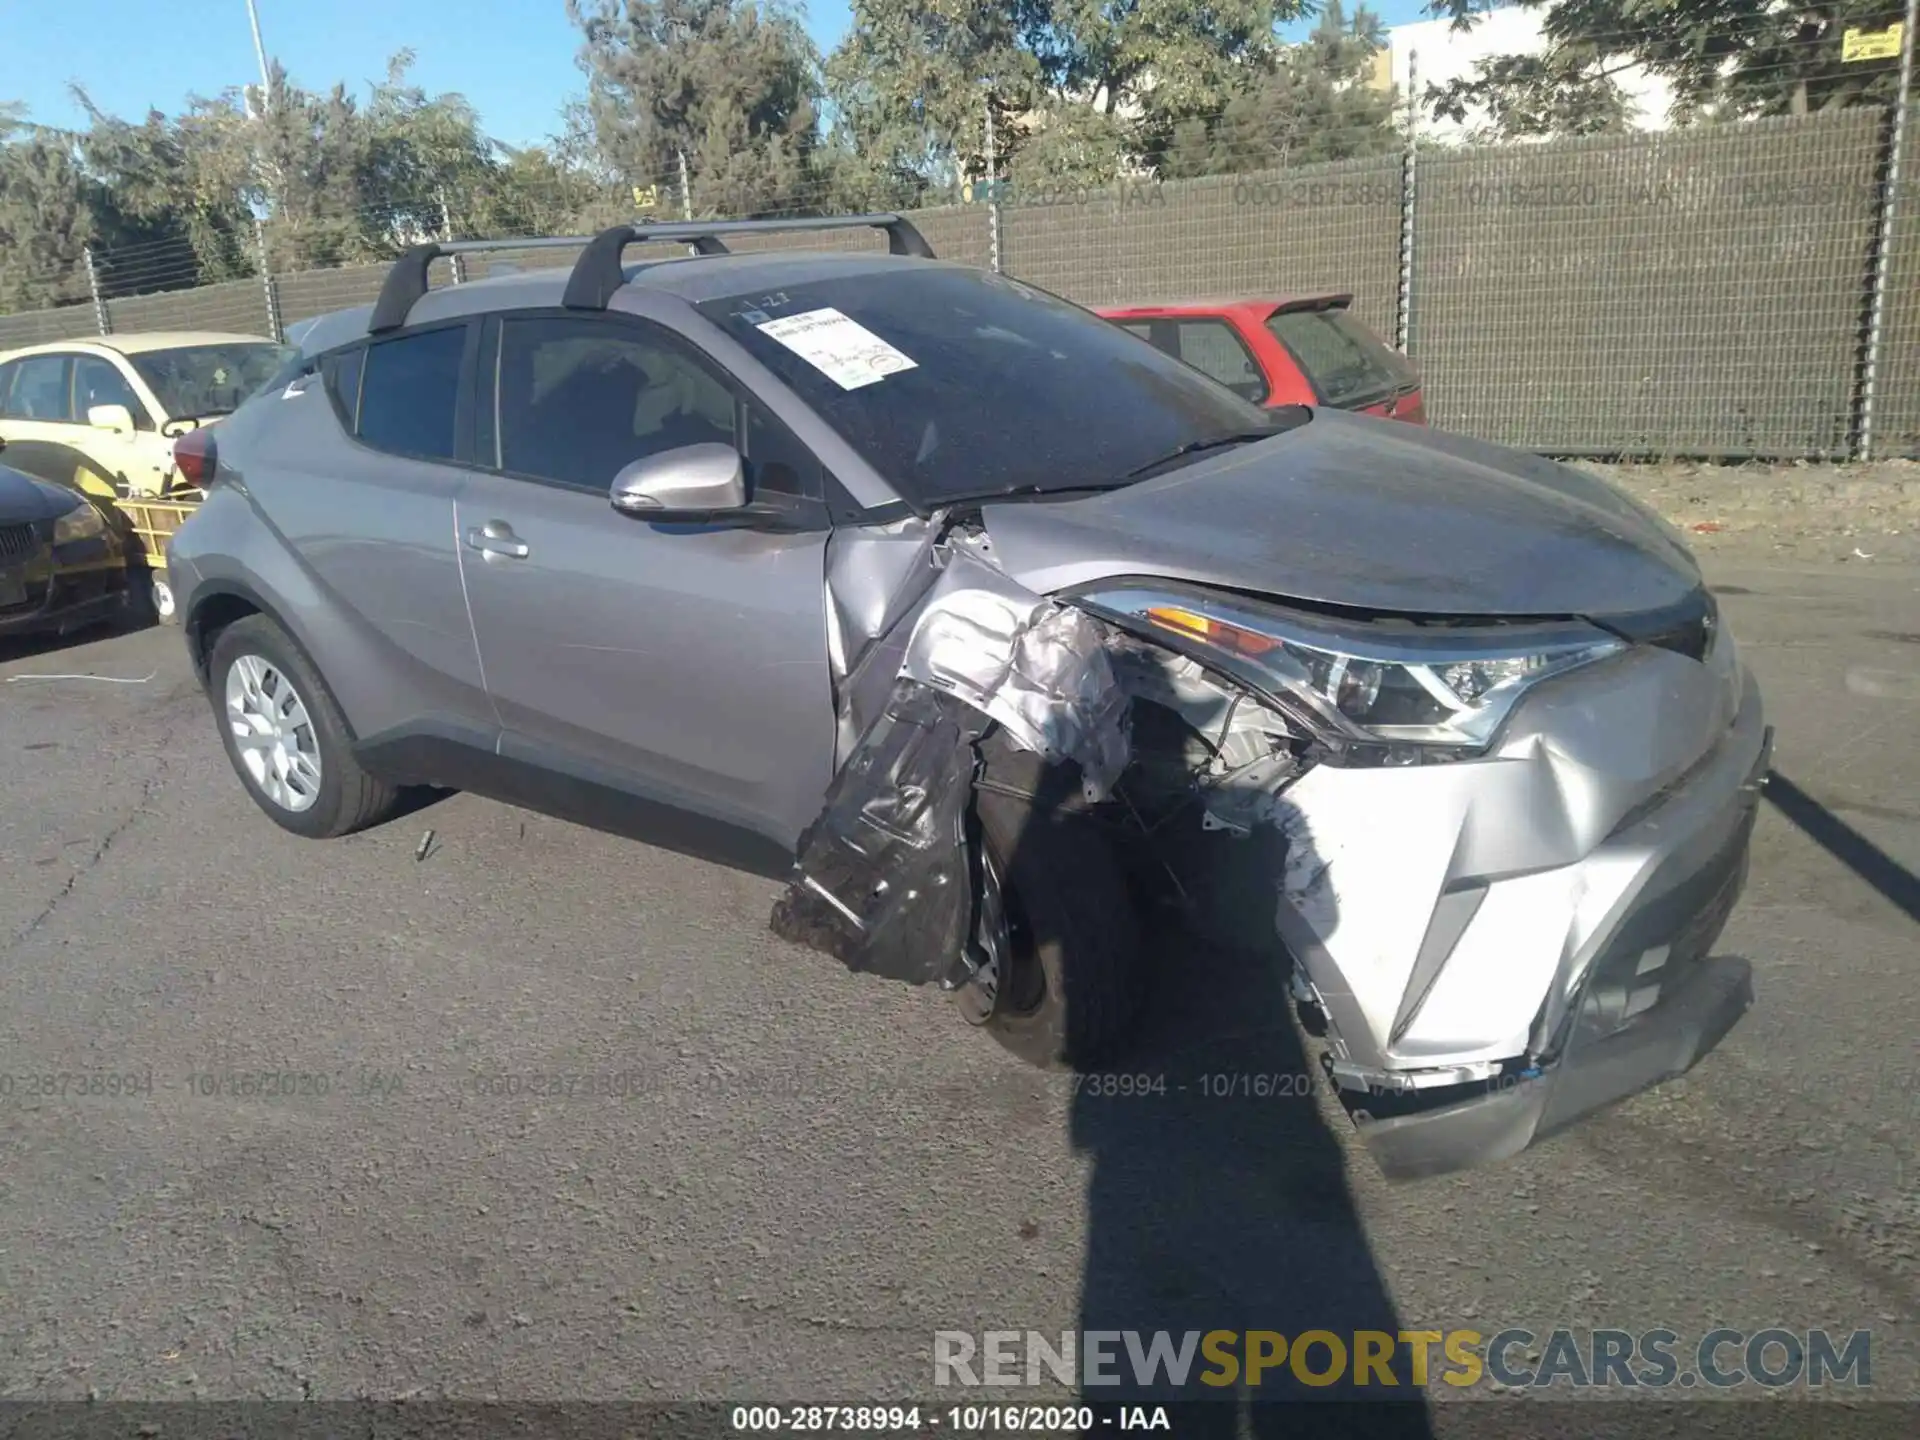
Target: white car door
133,455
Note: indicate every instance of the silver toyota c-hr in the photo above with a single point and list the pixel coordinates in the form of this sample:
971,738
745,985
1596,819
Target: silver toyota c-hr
984,625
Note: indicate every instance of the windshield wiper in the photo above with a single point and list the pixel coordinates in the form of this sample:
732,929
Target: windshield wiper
1196,447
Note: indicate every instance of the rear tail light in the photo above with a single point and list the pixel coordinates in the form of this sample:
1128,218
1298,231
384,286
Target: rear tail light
195,456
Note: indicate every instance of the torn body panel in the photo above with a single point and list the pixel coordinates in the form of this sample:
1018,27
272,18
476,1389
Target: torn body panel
875,576
1496,944
883,882
886,879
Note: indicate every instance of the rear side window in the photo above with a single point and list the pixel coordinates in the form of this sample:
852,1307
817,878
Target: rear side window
40,389
1211,347
410,393
1346,364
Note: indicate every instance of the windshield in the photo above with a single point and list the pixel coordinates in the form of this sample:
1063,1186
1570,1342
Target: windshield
196,382
958,384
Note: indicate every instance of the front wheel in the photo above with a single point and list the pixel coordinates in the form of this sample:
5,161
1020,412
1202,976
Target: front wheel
1065,972
286,737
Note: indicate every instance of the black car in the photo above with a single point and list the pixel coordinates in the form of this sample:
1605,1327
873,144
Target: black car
63,562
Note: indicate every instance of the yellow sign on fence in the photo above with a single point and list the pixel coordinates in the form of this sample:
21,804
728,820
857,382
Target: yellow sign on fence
645,197
1872,44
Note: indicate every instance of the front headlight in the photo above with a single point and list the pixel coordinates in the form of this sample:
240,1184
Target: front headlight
83,522
1376,691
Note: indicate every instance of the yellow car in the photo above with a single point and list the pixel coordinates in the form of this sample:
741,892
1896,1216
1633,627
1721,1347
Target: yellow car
101,415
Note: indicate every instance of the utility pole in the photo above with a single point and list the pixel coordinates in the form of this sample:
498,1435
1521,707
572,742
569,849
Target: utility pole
686,187
260,54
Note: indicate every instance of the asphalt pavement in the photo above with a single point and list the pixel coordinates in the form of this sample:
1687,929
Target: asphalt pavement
772,1180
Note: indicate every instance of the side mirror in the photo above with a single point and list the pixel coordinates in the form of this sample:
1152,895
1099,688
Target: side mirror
116,418
691,481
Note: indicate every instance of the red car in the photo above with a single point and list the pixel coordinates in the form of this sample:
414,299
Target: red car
1302,350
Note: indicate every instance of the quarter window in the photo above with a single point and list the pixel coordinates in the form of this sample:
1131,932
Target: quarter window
411,392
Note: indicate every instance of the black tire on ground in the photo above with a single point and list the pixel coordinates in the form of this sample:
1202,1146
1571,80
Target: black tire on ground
1073,986
349,798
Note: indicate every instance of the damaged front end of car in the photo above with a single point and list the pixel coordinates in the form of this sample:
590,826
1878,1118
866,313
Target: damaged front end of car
1497,853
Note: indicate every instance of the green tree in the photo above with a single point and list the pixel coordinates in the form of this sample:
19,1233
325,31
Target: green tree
1725,59
1314,103
911,84
46,215
1158,57
180,219
731,86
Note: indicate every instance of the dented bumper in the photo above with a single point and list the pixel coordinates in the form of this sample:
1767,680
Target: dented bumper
1531,942
1651,1002
1498,944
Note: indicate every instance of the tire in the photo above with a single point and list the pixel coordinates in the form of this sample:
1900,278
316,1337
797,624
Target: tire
345,798
160,599
1075,972
150,598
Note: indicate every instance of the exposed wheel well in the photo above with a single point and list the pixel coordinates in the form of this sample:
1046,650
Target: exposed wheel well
210,616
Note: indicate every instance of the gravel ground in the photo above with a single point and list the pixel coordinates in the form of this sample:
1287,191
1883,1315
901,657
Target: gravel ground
1847,514
811,1172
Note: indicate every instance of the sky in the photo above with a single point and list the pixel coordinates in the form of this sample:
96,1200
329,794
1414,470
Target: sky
512,59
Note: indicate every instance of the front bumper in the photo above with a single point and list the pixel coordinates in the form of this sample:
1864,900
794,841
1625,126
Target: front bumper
1502,946
1632,1025
63,591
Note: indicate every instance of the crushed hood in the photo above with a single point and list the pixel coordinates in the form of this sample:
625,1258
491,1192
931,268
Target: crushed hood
1351,511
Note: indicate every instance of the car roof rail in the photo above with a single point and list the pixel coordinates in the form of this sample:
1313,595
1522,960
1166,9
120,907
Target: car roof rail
406,282
598,272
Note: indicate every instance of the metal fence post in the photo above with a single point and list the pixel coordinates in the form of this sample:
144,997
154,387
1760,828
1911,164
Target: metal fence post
993,194
1882,254
266,280
1408,168
100,316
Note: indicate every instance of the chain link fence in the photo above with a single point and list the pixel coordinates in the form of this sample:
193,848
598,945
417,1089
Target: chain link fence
1703,292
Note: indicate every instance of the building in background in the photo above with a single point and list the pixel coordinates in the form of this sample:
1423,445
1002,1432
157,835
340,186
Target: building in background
1433,53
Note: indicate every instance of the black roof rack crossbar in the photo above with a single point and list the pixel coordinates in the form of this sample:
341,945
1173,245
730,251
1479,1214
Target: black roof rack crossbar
598,272
406,282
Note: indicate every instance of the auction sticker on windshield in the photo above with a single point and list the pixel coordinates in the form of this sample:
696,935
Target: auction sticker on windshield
838,346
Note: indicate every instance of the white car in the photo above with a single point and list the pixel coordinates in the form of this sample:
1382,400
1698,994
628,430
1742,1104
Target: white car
101,415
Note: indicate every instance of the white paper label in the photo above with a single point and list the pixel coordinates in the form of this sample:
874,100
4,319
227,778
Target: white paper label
839,347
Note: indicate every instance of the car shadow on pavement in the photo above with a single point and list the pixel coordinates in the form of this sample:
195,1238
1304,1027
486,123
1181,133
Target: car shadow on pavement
1897,884
1218,1200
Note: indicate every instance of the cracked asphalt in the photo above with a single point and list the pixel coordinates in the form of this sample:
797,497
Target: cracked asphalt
775,1181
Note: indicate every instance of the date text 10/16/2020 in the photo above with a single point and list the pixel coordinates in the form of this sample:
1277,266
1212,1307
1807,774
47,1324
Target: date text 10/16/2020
959,1419
75,1085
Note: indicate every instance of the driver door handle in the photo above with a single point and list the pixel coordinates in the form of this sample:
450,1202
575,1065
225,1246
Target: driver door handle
496,537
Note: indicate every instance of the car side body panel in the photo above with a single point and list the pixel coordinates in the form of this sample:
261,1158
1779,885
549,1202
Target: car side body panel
691,659
359,565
